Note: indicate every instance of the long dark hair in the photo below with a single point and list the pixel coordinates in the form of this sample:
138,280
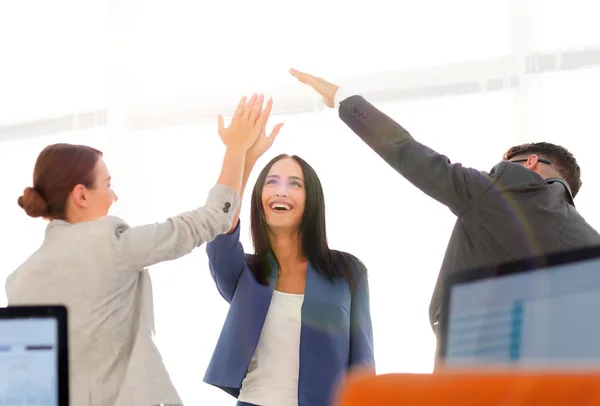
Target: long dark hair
312,231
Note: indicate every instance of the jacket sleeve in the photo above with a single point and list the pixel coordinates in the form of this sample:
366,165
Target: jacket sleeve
226,260
453,185
146,245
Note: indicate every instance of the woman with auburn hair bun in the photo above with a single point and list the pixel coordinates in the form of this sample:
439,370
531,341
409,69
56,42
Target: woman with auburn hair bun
95,264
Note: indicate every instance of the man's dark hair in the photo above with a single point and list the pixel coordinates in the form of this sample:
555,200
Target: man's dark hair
562,160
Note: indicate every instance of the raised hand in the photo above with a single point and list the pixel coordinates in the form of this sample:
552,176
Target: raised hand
326,89
248,120
263,143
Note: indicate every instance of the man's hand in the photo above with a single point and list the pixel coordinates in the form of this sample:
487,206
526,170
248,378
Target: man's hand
263,143
324,88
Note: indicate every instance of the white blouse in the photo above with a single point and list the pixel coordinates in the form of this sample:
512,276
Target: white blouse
272,377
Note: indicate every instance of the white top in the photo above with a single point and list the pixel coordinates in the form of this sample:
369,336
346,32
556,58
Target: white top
272,377
97,270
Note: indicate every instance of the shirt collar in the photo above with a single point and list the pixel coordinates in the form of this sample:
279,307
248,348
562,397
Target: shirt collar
568,193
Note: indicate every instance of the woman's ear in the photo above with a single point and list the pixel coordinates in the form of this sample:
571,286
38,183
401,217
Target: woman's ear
79,196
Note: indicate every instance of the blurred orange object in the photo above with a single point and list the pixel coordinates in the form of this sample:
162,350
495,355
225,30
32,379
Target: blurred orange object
466,388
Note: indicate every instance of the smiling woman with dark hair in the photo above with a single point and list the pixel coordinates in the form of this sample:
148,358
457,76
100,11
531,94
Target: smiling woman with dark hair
299,315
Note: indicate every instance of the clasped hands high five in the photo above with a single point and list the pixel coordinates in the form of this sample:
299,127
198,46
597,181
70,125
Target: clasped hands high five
247,130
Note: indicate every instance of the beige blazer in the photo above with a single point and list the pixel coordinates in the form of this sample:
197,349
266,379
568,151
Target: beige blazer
97,270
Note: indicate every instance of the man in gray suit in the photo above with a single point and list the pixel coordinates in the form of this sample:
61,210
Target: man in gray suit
522,208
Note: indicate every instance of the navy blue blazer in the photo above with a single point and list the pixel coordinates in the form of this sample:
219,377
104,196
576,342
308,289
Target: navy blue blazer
336,330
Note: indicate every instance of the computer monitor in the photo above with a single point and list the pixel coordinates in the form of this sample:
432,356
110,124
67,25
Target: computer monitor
34,356
535,313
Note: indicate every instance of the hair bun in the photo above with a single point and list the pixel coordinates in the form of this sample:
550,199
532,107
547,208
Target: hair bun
33,203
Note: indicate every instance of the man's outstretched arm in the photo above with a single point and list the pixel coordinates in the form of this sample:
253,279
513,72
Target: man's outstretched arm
451,184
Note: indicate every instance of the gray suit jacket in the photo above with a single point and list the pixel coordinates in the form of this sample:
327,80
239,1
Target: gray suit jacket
97,269
507,214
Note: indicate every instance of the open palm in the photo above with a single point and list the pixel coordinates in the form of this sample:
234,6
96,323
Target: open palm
264,142
326,89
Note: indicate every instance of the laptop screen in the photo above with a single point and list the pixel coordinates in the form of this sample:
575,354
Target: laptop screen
541,318
29,360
